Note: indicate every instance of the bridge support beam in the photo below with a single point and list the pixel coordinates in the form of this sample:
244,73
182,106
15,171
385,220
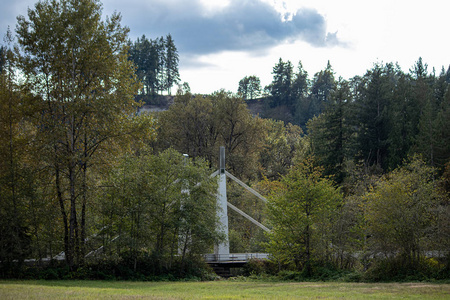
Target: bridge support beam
222,250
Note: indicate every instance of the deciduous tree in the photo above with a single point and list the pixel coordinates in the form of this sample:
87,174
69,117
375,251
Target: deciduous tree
80,71
401,210
163,203
299,211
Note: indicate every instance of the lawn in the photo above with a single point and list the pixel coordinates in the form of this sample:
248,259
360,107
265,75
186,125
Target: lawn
219,290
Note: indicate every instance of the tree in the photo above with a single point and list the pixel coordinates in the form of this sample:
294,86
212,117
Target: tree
300,91
402,126
80,71
199,125
425,112
282,146
299,209
239,132
280,88
249,87
2,57
374,97
16,179
145,56
323,84
331,133
433,122
300,85
171,64
189,126
401,210
163,203
156,62
442,124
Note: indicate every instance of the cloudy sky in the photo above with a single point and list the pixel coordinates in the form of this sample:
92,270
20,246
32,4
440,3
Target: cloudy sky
222,41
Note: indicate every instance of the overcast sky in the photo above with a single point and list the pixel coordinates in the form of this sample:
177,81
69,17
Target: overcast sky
222,41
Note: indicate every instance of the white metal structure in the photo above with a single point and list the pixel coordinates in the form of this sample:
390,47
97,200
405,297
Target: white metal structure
222,250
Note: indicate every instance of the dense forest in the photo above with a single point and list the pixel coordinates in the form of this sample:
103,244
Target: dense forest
356,172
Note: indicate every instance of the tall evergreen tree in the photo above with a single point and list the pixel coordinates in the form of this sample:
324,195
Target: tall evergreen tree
402,128
332,137
425,114
374,96
300,90
442,127
249,87
156,63
322,85
171,64
280,88
2,57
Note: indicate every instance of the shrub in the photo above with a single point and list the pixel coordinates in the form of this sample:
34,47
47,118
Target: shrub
398,269
257,266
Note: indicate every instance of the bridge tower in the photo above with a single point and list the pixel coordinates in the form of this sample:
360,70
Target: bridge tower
222,249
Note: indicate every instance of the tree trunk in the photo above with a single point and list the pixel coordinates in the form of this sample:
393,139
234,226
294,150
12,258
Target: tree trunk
67,249
308,242
73,223
84,201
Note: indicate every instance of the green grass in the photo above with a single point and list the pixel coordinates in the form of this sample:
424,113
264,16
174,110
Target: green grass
219,290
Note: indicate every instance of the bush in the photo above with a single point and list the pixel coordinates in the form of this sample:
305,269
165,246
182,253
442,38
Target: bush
400,269
320,271
142,266
257,266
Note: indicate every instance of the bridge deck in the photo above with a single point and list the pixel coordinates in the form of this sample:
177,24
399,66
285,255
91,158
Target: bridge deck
234,257
223,263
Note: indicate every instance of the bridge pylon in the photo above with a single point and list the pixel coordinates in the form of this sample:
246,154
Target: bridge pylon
223,248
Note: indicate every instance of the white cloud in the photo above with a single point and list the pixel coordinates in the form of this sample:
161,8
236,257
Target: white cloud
220,42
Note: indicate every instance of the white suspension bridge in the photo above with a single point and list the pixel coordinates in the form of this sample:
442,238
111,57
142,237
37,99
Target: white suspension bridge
222,251
221,258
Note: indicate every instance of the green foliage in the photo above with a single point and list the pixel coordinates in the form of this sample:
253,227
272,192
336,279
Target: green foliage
17,190
260,267
163,203
283,146
323,84
249,87
80,72
288,100
280,88
375,94
400,212
300,208
395,269
332,133
199,125
142,267
317,272
156,63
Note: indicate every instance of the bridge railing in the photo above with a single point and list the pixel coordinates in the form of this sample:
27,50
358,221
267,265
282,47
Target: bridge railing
233,257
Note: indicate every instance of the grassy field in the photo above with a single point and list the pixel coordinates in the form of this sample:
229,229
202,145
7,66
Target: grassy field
219,290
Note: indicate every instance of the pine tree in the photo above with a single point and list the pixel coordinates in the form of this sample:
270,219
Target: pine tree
300,91
374,96
322,85
171,64
249,87
280,88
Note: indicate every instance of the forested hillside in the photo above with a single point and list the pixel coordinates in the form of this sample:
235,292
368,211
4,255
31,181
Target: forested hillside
356,171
